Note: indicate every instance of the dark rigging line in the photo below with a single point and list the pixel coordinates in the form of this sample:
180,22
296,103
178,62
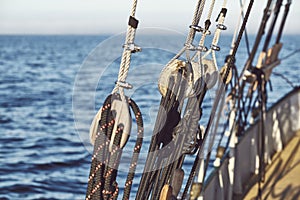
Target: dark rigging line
246,32
291,54
284,78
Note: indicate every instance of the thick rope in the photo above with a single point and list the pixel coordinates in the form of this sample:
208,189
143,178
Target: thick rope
102,181
145,186
197,15
165,172
95,182
220,21
136,151
207,25
103,174
148,176
230,63
128,49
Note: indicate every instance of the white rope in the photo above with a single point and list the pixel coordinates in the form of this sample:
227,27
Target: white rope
206,32
197,15
126,56
211,8
191,36
217,34
220,22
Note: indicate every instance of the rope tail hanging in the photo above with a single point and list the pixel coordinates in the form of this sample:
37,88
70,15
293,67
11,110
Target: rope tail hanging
111,128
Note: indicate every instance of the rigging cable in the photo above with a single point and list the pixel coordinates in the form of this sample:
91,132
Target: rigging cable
242,113
261,31
220,26
289,82
271,27
246,32
219,94
231,98
169,107
286,11
291,54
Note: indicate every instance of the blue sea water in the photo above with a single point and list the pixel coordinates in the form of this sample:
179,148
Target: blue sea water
50,88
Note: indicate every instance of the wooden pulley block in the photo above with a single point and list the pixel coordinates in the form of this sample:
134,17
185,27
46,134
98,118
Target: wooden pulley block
123,120
167,72
94,126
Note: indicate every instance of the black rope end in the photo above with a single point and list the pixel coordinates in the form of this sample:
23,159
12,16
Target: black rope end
207,24
223,11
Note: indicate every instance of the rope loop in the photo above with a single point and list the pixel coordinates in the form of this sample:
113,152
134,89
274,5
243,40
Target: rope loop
102,182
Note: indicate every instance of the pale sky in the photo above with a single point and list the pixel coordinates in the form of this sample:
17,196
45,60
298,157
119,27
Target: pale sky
111,16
